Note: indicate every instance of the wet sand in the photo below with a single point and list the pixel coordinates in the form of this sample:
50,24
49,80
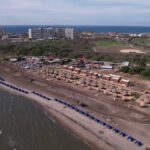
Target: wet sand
24,125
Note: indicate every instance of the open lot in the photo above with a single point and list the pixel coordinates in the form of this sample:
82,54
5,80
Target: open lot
111,49
117,47
120,49
141,41
132,51
109,43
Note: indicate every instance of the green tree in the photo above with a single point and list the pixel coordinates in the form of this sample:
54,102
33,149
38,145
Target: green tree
138,69
125,69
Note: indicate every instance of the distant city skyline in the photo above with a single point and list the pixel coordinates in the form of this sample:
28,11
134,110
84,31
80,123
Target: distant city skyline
75,12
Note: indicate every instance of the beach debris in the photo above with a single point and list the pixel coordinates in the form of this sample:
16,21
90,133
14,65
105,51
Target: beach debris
31,80
1,132
101,132
83,104
114,99
109,119
142,104
147,148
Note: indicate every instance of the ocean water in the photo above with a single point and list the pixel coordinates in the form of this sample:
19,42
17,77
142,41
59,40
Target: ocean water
25,126
97,29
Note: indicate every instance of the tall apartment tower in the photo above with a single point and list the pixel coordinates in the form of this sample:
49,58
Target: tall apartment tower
60,33
2,31
41,33
51,33
35,33
69,33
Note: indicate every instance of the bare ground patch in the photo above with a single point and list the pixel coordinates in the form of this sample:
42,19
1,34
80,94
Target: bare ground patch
132,51
119,50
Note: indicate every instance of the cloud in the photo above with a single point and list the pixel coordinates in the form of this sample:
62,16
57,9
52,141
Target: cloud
98,12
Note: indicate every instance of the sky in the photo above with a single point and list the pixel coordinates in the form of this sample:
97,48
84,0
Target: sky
75,12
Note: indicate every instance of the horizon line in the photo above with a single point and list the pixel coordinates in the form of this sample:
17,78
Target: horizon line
73,25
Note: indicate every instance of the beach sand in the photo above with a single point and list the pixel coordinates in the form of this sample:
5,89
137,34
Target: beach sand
94,134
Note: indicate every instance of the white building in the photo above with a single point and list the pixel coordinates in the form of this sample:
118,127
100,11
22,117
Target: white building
41,33
69,33
2,31
35,33
135,35
4,37
51,33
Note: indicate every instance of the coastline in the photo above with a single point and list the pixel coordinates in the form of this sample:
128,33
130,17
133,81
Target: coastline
78,124
65,122
89,132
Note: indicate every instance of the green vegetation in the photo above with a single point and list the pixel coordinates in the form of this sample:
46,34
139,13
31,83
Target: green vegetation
139,67
73,49
109,43
59,48
136,59
68,49
145,72
141,41
136,96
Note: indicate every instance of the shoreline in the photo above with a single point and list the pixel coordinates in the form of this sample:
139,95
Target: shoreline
78,124
58,118
116,114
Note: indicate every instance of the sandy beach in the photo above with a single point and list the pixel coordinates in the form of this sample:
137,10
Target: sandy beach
67,118
97,136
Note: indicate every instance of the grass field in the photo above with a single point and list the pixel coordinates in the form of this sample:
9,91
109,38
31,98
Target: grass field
109,43
142,41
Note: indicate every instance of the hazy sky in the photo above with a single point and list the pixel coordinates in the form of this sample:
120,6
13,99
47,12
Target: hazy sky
75,12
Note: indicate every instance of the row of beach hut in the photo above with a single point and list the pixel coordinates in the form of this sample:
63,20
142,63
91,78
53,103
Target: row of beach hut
109,77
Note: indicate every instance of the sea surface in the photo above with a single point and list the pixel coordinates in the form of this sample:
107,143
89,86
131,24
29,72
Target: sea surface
96,29
25,126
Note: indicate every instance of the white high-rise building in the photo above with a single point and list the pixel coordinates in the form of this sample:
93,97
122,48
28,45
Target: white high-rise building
35,33
41,33
2,31
51,33
69,33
